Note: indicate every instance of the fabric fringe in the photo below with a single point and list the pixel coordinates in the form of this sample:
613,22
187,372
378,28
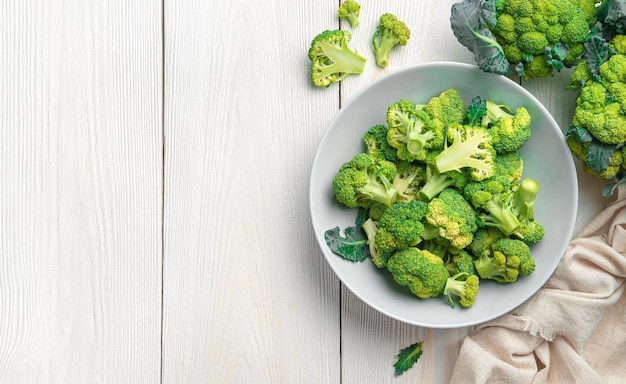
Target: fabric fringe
535,329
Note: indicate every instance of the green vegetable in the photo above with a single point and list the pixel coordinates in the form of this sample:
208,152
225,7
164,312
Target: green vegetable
419,270
509,130
533,37
448,108
475,111
505,261
412,132
390,32
353,245
407,358
471,148
466,290
364,181
331,58
350,10
435,182
408,180
376,144
453,216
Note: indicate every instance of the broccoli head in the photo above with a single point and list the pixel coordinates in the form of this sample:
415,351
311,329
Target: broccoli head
331,58
459,261
412,132
419,270
435,182
350,10
448,108
509,130
505,261
389,33
462,286
471,148
453,217
483,238
600,113
408,180
493,198
364,181
510,165
400,226
376,144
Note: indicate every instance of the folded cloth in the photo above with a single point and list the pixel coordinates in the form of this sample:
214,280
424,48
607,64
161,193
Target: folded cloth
573,330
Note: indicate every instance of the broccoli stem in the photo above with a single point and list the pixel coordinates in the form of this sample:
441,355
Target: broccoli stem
344,60
435,183
379,191
487,269
416,140
383,48
353,19
500,216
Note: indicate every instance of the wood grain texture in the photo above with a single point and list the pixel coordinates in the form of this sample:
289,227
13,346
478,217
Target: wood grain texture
80,202
248,297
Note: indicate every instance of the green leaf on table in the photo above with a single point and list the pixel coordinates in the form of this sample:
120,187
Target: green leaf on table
408,357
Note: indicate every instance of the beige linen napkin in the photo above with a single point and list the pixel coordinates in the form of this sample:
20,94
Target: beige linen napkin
573,330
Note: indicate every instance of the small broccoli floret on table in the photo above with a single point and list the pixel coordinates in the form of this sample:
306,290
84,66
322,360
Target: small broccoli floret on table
505,261
350,10
421,271
509,130
331,58
453,217
376,144
364,181
399,227
389,33
412,132
463,286
470,148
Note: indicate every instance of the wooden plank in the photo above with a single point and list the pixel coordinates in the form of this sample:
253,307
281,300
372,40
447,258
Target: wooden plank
80,164
248,297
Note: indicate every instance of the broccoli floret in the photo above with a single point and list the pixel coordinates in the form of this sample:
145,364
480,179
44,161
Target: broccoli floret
509,130
400,227
483,238
350,10
471,148
364,181
459,261
453,217
613,159
408,180
448,108
494,200
389,33
331,58
511,166
465,289
370,228
523,203
435,182
505,261
376,144
600,114
421,271
412,132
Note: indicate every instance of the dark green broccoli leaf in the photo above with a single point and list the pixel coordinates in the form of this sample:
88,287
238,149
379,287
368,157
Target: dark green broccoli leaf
613,14
580,133
598,155
555,56
470,20
609,188
408,357
475,111
597,51
353,245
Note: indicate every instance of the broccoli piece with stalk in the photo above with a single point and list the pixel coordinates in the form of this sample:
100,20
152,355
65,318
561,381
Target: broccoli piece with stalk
350,10
505,261
509,130
483,238
465,289
411,131
408,180
419,270
459,261
331,58
493,198
471,148
364,181
524,198
399,227
376,144
453,217
435,182
389,33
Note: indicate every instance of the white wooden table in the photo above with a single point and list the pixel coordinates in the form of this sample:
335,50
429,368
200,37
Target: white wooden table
154,223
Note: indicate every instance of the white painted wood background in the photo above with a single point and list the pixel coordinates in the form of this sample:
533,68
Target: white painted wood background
154,223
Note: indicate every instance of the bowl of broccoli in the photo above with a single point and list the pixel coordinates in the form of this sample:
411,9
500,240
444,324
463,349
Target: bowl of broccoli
432,197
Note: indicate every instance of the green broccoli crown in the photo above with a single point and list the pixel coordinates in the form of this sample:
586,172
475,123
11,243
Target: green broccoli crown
408,180
541,36
412,132
471,148
448,108
509,130
389,33
453,216
510,165
465,289
524,198
401,226
376,144
331,58
350,10
601,114
364,181
459,261
435,182
421,271
483,238
505,261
